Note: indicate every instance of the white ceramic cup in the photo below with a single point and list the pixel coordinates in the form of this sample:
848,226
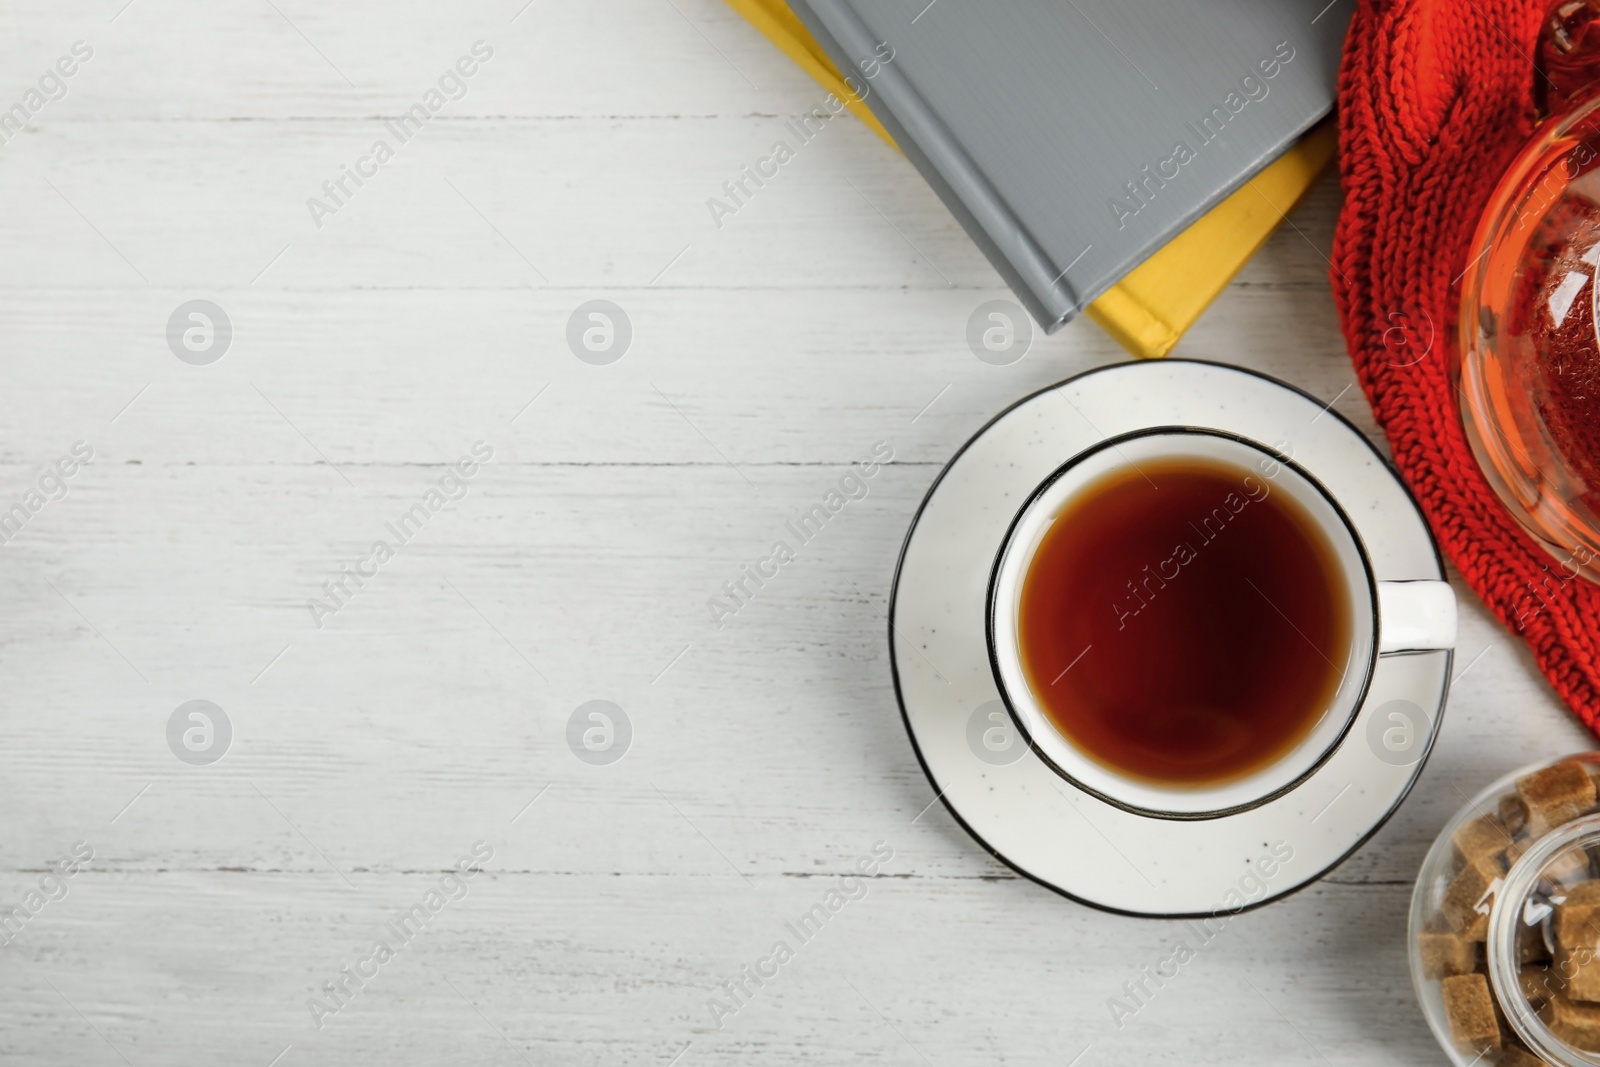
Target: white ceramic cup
1387,618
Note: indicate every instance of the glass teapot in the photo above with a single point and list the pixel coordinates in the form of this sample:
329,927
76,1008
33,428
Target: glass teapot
1528,337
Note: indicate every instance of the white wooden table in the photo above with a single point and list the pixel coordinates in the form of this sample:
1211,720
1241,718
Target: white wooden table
430,712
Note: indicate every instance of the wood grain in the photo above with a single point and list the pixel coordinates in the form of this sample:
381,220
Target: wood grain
371,753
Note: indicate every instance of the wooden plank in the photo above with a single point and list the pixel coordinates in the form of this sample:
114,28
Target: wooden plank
428,712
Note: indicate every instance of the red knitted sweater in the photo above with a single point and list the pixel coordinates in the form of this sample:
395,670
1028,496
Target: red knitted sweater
1435,98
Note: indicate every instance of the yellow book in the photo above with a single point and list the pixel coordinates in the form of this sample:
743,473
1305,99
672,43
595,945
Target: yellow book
1150,308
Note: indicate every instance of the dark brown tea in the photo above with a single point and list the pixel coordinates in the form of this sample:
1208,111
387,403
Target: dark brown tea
1184,622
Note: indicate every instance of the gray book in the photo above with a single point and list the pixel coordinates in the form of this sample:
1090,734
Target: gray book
1073,138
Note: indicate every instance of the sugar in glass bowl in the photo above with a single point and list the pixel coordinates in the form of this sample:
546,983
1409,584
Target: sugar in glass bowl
1505,922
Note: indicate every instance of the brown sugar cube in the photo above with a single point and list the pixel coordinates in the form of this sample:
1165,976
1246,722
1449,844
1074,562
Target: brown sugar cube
1469,890
1536,983
1445,952
1575,1023
1513,814
1469,1009
1579,969
1477,930
1516,1056
1555,795
1481,838
1577,921
1539,983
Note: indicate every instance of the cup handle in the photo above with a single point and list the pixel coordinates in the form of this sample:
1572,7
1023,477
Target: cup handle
1415,616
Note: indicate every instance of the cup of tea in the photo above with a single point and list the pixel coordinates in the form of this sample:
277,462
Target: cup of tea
1184,623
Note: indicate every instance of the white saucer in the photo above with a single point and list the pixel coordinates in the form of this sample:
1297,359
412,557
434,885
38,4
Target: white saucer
1035,821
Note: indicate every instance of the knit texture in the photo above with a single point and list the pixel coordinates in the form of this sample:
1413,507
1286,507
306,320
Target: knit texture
1435,98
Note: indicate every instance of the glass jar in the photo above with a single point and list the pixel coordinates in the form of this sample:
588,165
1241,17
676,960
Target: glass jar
1505,922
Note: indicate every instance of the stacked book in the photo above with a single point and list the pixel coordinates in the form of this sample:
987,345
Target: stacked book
1122,159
